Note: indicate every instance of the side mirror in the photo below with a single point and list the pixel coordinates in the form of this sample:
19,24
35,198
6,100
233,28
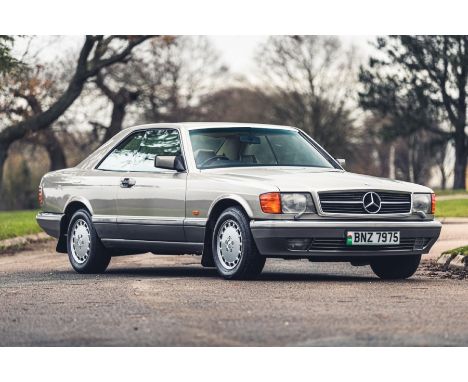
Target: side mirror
170,162
341,162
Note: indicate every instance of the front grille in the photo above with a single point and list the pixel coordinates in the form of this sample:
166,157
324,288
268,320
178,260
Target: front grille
351,202
339,244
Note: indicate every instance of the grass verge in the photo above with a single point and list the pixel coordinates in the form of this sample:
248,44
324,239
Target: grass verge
457,251
450,192
18,223
452,208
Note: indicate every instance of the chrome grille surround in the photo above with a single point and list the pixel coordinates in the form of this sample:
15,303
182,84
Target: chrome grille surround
351,202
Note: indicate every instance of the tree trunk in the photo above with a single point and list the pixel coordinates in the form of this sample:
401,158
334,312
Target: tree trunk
54,151
461,149
3,157
120,100
391,162
118,115
443,174
461,154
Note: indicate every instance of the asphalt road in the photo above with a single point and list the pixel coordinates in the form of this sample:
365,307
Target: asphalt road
170,300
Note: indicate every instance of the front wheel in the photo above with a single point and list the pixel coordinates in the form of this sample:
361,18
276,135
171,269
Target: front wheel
396,267
85,251
234,252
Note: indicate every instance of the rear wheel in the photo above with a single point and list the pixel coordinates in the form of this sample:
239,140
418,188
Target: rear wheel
396,267
85,251
234,252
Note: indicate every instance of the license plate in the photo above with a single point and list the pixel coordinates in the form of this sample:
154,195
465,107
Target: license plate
373,238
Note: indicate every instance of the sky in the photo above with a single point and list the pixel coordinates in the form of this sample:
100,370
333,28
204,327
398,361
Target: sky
236,51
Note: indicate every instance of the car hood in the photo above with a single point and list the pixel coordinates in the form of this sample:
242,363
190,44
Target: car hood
313,179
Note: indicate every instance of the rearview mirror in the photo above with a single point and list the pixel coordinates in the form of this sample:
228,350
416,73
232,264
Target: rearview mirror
341,162
170,162
251,139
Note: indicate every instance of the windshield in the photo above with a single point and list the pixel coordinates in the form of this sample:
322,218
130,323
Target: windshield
248,147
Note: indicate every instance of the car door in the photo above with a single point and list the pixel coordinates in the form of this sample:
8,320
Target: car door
151,201
101,185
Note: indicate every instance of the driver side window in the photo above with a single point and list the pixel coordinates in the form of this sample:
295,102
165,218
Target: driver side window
121,158
156,142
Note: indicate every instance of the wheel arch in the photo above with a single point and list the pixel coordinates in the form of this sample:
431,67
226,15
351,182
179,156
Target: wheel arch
72,206
230,199
216,209
78,200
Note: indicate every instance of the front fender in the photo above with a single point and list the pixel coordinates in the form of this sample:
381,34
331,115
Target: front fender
237,198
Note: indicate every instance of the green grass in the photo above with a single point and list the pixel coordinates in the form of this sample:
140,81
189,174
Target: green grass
450,192
458,251
452,208
18,223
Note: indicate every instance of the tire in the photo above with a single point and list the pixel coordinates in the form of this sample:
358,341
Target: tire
234,252
85,250
396,267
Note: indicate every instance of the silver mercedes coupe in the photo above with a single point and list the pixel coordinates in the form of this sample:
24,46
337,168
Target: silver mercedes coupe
235,194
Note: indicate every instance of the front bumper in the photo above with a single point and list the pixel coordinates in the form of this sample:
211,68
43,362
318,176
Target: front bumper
50,223
328,238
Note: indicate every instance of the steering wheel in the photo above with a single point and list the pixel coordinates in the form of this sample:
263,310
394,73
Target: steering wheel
217,157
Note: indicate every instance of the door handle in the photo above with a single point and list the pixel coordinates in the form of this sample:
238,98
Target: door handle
127,182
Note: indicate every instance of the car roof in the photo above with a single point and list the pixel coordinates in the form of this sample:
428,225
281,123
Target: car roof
205,125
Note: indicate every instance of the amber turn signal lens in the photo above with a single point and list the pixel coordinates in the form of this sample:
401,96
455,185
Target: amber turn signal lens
40,197
271,202
433,203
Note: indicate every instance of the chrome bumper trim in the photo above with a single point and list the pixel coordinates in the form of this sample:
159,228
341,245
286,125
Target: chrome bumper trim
50,223
343,223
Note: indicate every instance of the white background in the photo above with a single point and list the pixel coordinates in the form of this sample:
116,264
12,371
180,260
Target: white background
240,17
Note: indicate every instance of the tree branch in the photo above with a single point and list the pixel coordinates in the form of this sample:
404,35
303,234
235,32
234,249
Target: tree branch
84,70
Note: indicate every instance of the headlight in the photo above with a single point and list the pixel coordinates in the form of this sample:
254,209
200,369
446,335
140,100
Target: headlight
424,203
286,203
295,203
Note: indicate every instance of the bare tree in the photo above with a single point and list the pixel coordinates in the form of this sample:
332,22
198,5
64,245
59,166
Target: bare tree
97,53
236,104
428,76
376,158
7,61
173,74
310,81
120,99
26,93
414,157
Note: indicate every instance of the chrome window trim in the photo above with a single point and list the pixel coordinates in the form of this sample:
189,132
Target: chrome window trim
321,150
